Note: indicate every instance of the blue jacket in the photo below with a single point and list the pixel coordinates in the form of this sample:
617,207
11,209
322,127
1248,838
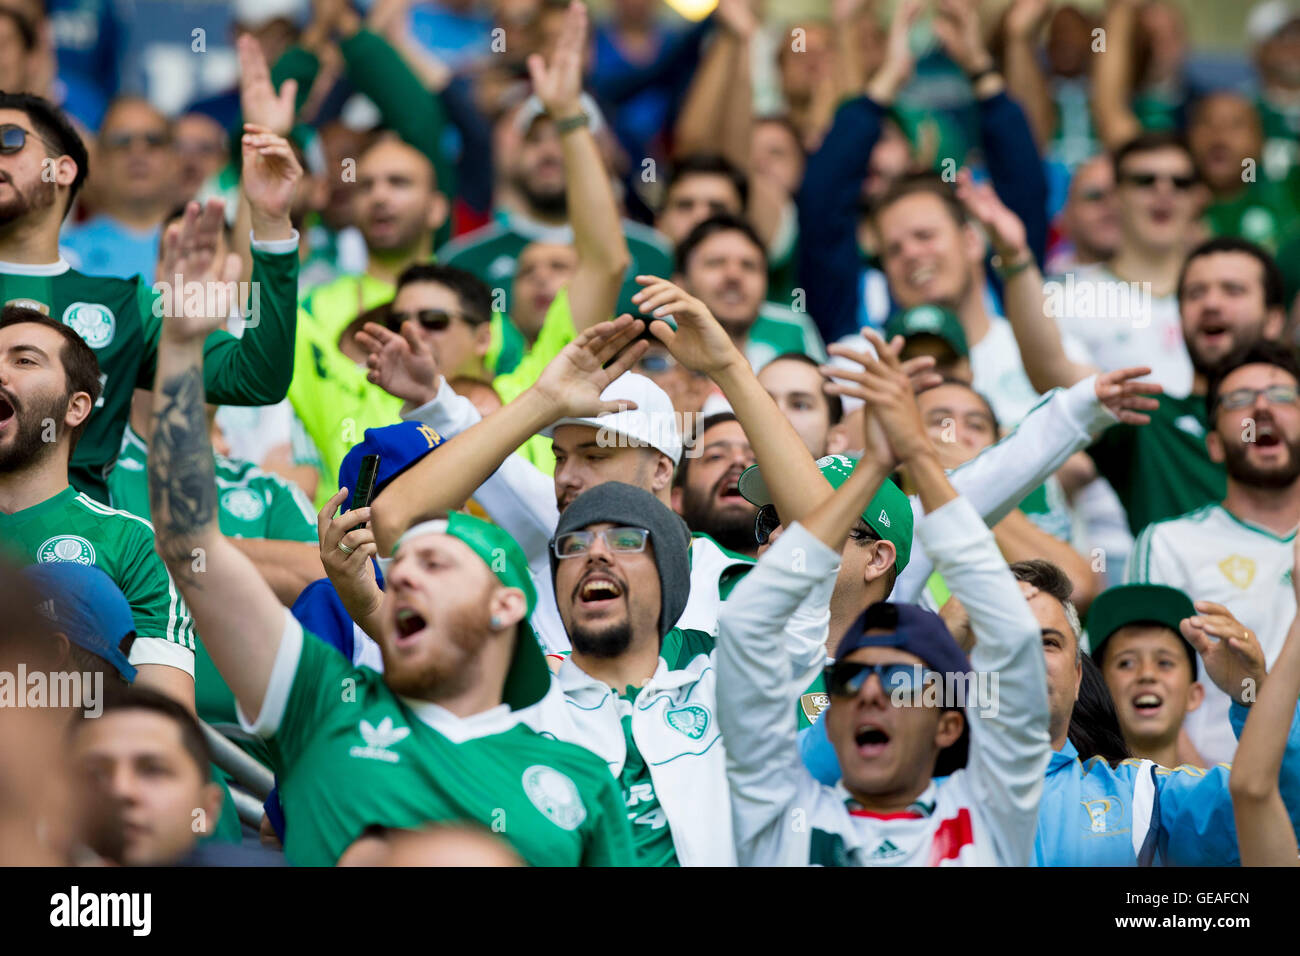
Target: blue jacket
829,261
1135,814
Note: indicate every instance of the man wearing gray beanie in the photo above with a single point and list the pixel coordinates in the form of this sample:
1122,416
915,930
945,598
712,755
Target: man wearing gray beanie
637,691
669,540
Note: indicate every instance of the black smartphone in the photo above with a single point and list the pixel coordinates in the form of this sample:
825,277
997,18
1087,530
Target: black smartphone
365,488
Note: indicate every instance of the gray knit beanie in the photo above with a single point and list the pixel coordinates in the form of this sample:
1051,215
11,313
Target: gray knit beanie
628,505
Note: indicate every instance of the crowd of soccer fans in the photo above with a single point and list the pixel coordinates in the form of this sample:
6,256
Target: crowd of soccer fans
496,432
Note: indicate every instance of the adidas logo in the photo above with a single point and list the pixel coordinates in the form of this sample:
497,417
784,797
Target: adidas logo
886,851
884,518
379,739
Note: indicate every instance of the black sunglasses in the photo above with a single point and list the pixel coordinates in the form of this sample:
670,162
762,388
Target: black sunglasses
14,138
1147,180
434,320
846,678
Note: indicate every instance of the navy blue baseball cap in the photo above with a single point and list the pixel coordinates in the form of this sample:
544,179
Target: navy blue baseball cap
84,603
398,446
908,628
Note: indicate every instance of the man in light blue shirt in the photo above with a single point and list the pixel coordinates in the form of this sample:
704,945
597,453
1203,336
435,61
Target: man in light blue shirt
1134,813
135,173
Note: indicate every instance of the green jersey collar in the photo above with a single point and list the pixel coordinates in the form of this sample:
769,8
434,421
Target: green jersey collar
1251,526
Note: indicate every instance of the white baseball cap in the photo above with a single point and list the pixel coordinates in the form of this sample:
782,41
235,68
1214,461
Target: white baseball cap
258,13
653,422
1269,18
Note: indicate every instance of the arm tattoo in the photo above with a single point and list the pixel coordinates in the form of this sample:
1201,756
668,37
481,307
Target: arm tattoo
182,478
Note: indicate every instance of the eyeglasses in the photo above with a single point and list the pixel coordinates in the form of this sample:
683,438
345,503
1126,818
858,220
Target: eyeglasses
14,138
574,544
119,142
847,678
1147,180
1245,397
432,320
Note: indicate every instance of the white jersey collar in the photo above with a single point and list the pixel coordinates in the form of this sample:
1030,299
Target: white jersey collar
458,730
41,269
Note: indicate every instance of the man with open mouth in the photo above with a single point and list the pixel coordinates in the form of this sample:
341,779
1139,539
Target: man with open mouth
438,735
1236,552
895,721
640,692
49,383
43,164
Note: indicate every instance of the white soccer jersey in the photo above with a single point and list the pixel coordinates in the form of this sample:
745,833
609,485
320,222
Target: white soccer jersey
1211,555
999,374
984,814
1120,324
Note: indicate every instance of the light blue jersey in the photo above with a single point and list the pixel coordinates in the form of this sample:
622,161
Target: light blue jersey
1133,814
105,247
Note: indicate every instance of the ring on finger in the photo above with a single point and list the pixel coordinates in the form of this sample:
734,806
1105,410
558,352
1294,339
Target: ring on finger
345,549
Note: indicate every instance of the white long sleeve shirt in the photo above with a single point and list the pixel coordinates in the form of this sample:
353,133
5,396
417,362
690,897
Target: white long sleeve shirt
984,814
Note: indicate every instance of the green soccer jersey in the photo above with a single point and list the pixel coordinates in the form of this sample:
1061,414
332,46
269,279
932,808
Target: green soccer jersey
1162,469
71,526
117,319
1262,212
491,252
351,753
253,503
651,836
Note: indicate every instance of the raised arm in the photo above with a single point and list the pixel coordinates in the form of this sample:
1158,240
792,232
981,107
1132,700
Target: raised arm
1037,334
256,369
1195,816
1010,152
603,256
1009,744
829,260
570,387
712,95
755,698
1024,75
1112,77
701,344
233,608
1265,835
412,112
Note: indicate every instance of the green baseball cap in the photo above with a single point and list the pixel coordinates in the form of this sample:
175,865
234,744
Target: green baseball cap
929,320
528,678
889,513
1126,604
